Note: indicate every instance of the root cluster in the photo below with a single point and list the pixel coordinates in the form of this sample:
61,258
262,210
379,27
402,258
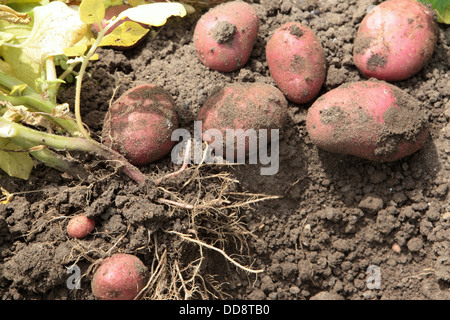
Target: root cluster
192,259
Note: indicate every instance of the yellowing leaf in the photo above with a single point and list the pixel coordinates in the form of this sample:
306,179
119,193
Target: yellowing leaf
5,37
444,16
10,15
92,11
24,68
56,26
75,51
20,65
135,3
15,163
154,14
125,35
112,3
8,196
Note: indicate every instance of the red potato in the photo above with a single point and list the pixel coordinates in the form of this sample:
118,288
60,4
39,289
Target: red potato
296,62
224,36
368,119
395,40
80,226
120,277
139,124
243,106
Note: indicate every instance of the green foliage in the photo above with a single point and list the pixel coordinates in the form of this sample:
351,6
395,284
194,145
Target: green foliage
442,8
15,163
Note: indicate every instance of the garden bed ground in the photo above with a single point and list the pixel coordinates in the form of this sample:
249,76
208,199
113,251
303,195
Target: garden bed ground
330,229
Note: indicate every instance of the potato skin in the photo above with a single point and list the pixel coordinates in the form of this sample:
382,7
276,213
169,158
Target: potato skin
80,226
120,277
369,119
224,36
139,124
296,62
395,40
244,106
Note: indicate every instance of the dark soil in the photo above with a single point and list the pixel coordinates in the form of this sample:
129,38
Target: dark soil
340,227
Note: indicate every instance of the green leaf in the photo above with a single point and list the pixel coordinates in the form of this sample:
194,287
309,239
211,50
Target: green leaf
444,16
442,8
15,163
125,35
23,68
154,14
92,11
17,63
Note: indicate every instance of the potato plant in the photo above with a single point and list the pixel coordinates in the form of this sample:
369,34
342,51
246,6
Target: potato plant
31,119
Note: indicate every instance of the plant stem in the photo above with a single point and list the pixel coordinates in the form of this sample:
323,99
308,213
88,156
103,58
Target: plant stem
81,73
35,137
51,90
54,160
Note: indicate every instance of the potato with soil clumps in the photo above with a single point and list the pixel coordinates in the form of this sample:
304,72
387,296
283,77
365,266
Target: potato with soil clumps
113,12
224,36
110,13
395,40
368,119
296,62
120,277
240,109
139,124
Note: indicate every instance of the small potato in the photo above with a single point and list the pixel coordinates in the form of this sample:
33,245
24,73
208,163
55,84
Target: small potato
368,119
395,40
139,124
224,36
120,277
296,62
243,106
80,226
